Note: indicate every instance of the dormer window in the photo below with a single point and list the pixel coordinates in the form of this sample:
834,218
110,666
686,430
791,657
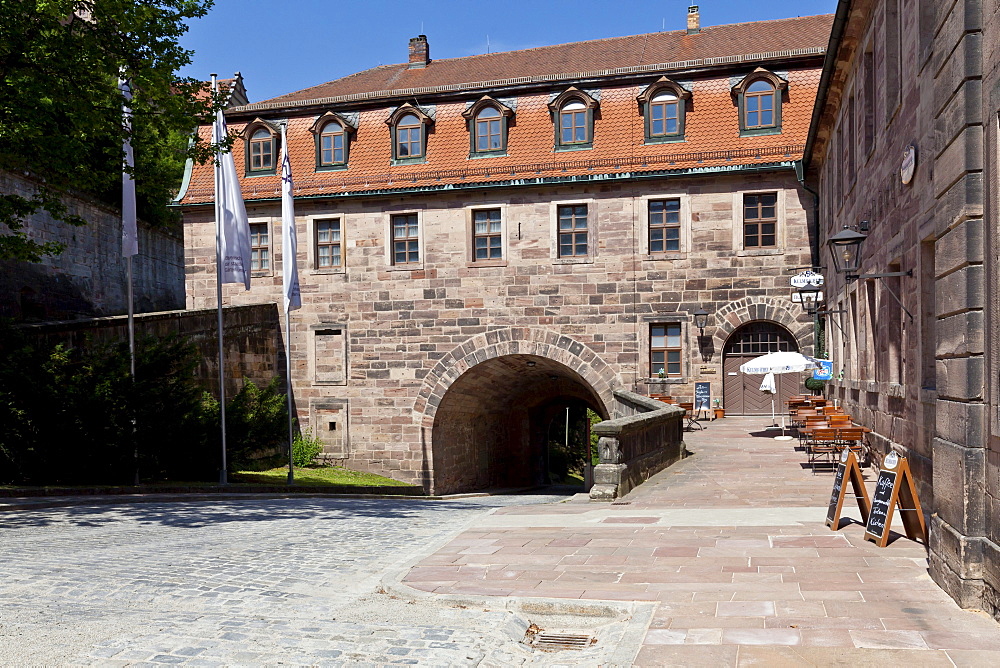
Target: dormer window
664,115
758,106
573,126
758,97
409,134
663,107
573,112
488,135
487,120
409,137
261,148
333,140
331,144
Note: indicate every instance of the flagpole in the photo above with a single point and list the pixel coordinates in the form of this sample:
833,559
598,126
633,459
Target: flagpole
290,284
130,241
218,296
288,391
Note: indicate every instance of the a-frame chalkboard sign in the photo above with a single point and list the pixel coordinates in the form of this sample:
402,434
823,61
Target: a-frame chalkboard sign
847,469
895,487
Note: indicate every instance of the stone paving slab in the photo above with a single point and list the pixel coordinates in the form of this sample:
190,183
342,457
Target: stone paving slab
731,545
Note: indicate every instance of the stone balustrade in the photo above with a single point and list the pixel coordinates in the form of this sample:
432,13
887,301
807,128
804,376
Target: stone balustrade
646,440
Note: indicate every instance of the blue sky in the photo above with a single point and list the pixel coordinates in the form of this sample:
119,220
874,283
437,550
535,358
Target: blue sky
284,46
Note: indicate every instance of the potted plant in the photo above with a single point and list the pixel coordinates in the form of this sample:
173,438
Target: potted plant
661,373
719,411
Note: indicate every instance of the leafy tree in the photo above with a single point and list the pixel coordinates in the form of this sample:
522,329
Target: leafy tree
61,108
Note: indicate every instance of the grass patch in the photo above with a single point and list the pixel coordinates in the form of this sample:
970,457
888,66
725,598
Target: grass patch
321,476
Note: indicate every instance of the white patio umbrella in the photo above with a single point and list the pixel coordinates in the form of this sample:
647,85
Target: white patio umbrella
779,362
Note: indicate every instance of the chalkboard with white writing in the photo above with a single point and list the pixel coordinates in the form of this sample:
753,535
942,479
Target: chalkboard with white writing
838,485
702,396
882,504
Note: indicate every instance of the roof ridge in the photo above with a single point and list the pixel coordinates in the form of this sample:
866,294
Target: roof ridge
608,39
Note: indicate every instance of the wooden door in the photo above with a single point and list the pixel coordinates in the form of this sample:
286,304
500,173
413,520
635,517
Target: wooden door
741,392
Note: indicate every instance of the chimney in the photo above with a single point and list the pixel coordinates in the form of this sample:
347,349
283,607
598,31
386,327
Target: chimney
420,52
694,23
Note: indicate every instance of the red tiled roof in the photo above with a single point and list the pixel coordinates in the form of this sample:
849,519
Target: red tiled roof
738,39
712,137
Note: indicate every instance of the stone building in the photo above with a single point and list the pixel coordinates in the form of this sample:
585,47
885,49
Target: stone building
903,149
485,241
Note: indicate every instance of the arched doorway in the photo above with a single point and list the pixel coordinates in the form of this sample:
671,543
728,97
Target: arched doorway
741,392
493,426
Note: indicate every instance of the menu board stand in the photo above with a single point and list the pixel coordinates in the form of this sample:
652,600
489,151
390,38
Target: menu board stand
848,467
895,488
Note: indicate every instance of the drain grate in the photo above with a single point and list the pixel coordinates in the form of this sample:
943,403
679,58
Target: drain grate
554,642
621,503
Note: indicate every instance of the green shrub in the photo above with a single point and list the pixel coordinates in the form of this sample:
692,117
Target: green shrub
75,416
305,448
256,426
815,384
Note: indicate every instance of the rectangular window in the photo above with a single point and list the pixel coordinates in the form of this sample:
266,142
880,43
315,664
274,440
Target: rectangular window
573,230
487,238
405,239
869,102
664,225
665,349
328,254
260,256
760,220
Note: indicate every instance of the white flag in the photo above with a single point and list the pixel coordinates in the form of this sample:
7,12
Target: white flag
289,243
130,238
230,214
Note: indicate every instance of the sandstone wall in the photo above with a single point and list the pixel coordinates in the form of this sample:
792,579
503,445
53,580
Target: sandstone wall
89,278
392,326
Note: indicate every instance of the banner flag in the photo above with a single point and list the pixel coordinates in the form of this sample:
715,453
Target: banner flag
289,242
130,237
230,214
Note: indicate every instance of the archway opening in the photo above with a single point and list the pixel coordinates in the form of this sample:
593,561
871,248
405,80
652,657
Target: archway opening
741,392
502,424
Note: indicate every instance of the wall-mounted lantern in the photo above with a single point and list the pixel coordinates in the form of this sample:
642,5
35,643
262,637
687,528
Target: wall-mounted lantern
700,320
846,249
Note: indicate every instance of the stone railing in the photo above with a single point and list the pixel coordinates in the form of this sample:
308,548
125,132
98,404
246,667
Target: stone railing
632,448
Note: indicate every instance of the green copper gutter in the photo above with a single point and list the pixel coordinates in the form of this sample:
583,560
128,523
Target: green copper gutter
539,181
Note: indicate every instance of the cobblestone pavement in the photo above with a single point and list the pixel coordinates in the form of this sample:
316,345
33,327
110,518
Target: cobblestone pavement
256,581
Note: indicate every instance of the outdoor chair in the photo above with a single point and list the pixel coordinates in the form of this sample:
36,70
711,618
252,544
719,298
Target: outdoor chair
823,444
689,415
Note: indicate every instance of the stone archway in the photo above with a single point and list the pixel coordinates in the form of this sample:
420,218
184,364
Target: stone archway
748,312
485,406
778,310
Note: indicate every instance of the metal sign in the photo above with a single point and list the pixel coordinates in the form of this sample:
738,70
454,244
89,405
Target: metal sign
807,279
797,297
909,164
825,372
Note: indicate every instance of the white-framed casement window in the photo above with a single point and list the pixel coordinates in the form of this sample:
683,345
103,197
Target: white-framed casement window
759,222
665,350
404,240
665,347
326,237
574,231
486,235
666,225
261,246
